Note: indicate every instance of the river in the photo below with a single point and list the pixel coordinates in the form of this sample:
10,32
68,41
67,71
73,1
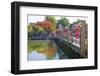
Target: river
49,51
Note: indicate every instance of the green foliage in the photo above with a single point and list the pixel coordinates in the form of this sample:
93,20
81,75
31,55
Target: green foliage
37,45
30,28
35,30
39,30
63,21
53,20
75,22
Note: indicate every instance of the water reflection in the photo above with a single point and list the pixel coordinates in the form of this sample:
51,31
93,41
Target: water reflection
42,50
39,56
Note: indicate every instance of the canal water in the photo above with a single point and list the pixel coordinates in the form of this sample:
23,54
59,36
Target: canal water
49,51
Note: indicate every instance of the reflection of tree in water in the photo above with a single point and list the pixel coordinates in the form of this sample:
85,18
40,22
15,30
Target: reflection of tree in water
51,52
46,47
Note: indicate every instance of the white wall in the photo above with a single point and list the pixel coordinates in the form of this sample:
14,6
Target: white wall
5,41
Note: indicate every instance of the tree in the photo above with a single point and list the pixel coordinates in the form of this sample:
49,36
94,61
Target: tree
75,22
30,28
39,30
63,21
52,19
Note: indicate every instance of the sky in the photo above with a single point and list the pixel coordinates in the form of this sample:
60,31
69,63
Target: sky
40,18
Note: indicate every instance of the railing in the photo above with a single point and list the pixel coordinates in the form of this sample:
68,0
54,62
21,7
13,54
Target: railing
76,42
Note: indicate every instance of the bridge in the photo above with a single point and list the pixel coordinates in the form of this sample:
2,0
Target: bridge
67,49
